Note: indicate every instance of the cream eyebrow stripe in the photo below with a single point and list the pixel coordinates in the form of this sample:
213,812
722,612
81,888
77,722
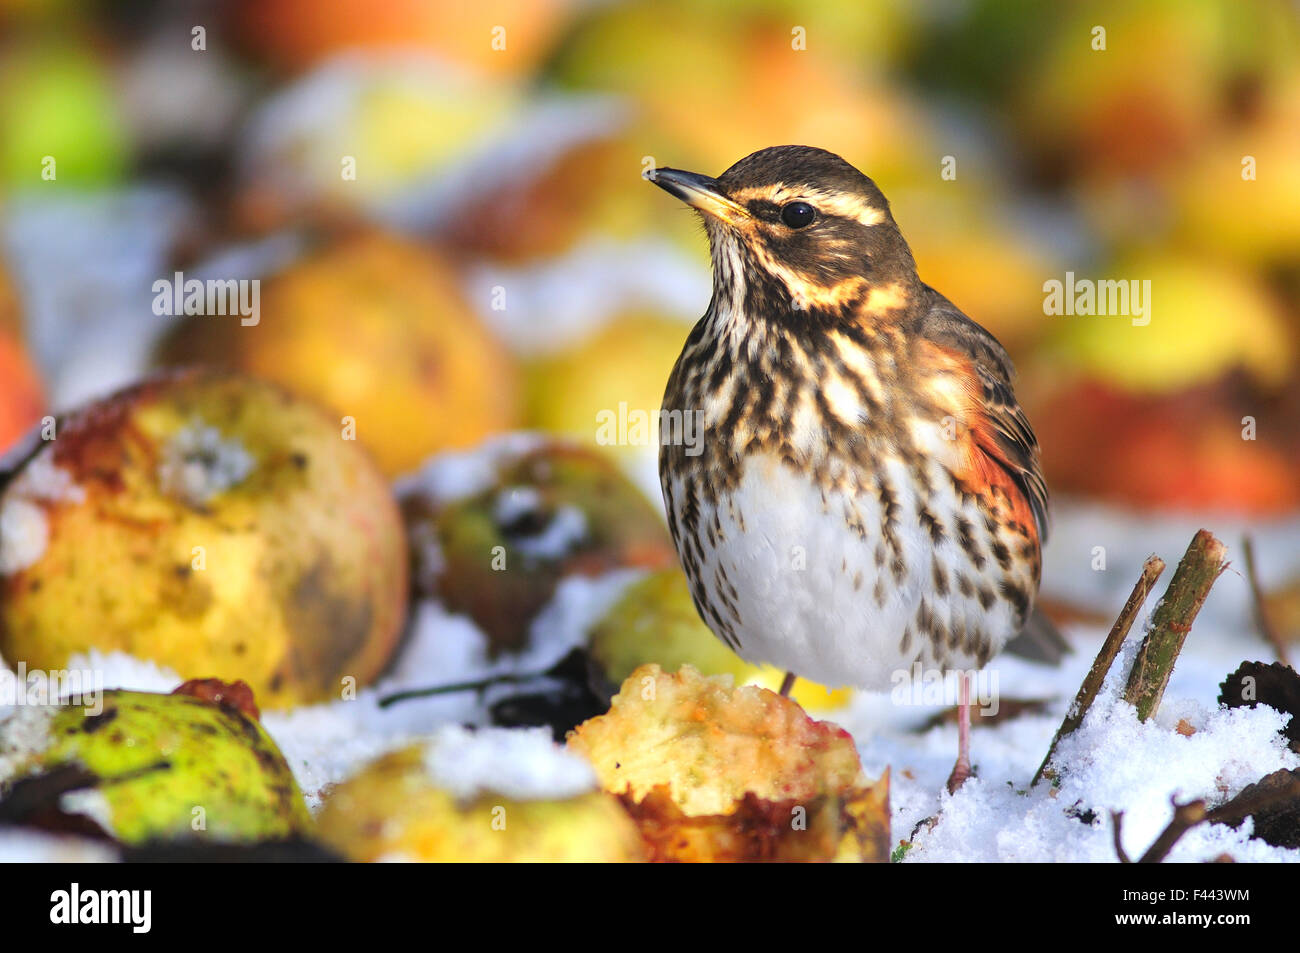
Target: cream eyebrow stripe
833,203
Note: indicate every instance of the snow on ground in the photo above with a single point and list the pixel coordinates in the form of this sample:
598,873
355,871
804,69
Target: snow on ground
524,764
32,847
1114,763
85,264
1095,554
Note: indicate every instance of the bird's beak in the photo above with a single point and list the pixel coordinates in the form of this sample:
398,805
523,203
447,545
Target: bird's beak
699,192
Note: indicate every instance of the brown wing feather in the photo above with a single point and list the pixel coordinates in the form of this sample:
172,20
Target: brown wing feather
1015,448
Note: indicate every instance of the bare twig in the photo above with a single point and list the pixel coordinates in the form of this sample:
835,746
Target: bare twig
1280,789
1262,620
1186,816
575,660
1116,827
1092,683
1201,565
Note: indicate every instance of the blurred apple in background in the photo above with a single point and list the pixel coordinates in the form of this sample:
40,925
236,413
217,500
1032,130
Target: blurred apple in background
1184,412
362,131
554,511
22,394
507,37
1239,197
22,399
1163,82
1205,319
580,191
57,101
1184,451
494,167
874,35
608,388
375,328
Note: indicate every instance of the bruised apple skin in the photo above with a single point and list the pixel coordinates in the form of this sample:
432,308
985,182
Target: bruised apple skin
213,524
578,392
148,767
553,511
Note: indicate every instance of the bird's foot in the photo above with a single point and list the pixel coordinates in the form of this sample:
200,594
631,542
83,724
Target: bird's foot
960,772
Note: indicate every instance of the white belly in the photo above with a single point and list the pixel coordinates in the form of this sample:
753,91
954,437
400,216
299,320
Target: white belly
805,591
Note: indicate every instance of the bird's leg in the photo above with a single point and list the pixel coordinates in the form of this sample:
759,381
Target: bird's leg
787,683
961,770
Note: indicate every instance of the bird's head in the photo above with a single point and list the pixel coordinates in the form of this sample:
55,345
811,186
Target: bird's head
797,229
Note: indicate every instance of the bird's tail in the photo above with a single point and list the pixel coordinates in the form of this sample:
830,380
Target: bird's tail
1039,640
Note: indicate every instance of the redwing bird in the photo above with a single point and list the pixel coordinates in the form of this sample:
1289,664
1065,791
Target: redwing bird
868,495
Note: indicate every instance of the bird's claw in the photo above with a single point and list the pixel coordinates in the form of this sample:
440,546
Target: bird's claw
960,772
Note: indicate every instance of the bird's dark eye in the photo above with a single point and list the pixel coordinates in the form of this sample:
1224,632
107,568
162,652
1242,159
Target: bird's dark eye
798,214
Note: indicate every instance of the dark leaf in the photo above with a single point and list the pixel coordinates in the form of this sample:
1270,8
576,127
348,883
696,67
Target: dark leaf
1274,802
1275,685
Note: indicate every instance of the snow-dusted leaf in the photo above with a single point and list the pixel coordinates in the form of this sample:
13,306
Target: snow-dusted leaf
1275,685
